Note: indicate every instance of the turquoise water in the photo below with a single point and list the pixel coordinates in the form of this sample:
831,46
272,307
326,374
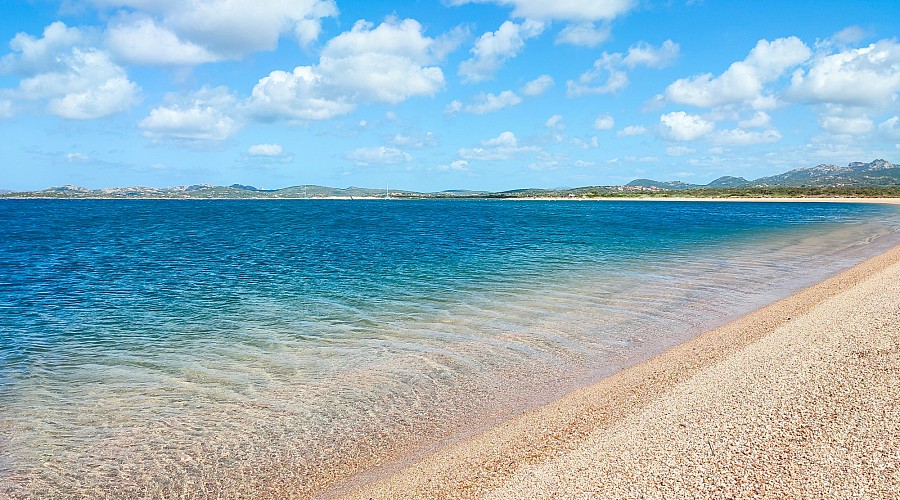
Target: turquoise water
162,347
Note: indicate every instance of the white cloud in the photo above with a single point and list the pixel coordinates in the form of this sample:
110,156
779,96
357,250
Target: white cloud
562,10
760,119
384,64
77,158
644,54
739,137
194,119
488,103
632,130
604,122
592,142
6,108
296,96
494,48
76,81
584,34
387,63
613,67
743,81
503,147
890,128
454,107
850,34
89,86
209,30
852,125
537,86
455,166
582,16
416,141
273,150
867,76
384,155
679,150
146,43
555,122
31,56
680,126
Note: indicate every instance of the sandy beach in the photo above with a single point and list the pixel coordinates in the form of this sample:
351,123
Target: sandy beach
798,399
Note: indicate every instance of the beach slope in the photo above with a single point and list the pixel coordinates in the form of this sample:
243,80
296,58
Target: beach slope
800,398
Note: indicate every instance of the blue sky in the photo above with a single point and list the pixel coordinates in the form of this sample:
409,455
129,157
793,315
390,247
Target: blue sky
431,95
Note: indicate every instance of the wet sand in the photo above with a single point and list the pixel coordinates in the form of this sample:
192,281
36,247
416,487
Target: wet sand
800,398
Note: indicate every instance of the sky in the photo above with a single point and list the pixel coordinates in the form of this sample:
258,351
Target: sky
431,95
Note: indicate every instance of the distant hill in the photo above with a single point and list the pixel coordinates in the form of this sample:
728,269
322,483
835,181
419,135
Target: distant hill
649,183
209,191
856,177
856,174
728,182
875,173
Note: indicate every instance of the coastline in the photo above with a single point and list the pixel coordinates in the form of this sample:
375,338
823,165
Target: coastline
799,397
748,199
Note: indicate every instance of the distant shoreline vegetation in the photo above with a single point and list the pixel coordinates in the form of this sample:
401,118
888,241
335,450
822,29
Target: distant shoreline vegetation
595,192
877,179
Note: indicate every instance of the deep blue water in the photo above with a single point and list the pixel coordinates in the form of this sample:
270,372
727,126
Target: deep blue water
126,326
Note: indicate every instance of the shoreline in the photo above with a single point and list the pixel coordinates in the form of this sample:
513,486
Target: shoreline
640,432
748,199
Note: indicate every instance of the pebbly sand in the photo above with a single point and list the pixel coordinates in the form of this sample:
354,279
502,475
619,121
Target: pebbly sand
798,399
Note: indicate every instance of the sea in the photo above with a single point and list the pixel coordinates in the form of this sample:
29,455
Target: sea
197,348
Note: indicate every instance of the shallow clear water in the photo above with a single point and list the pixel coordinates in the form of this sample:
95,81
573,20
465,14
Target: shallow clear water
164,347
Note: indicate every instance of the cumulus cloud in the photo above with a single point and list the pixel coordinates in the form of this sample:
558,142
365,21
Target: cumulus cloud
503,147
494,48
679,150
537,86
274,150
555,122
587,20
849,125
867,76
208,30
488,103
584,34
146,43
744,81
454,107
484,103
760,119
388,63
415,141
890,128
298,95
588,143
604,122
740,137
454,166
201,117
611,69
75,80
680,126
562,10
632,130
30,55
383,155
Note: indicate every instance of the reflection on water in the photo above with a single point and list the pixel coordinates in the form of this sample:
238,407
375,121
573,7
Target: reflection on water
205,348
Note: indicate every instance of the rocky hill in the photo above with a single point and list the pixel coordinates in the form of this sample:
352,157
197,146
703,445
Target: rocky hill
856,174
875,174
